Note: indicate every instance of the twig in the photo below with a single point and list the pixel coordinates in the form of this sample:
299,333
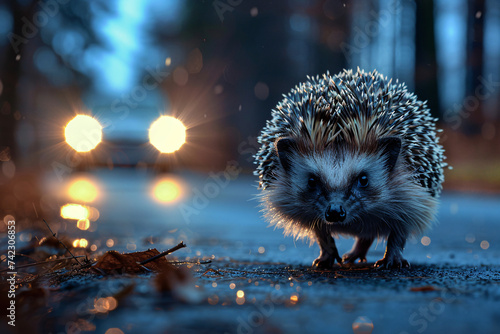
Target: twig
54,235
44,262
191,262
165,253
212,270
99,271
34,208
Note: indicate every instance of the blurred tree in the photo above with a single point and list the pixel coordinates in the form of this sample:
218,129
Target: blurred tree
426,85
10,75
475,48
333,20
240,51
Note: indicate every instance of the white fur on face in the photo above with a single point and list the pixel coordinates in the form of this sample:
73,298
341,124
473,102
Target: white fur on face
340,174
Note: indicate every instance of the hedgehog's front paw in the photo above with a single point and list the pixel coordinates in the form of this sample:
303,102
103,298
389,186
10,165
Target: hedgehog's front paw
392,262
326,261
352,256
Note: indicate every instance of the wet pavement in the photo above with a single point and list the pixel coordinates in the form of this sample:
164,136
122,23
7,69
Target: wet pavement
261,282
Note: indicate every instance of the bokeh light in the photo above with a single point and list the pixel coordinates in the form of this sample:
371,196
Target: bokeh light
213,300
168,190
93,213
362,325
83,133
83,224
167,134
470,238
180,76
80,243
426,241
240,297
114,330
8,169
8,218
261,90
74,211
485,244
82,190
103,305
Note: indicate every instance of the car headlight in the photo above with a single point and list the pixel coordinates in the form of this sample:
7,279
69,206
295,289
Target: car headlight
83,133
167,134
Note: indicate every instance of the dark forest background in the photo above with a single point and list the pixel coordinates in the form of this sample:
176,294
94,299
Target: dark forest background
221,66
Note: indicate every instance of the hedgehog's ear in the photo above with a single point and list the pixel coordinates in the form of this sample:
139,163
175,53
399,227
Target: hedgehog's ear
390,148
284,149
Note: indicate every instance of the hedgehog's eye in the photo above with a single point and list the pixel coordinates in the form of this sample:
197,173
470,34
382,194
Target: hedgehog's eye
312,182
362,180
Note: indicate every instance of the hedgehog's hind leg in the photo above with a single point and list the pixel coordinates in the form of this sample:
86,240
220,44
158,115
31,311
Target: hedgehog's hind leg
393,257
358,251
328,250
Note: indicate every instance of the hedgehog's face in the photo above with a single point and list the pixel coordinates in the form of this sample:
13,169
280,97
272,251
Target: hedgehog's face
335,186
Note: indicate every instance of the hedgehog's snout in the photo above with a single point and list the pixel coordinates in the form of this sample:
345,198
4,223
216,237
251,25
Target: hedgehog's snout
335,213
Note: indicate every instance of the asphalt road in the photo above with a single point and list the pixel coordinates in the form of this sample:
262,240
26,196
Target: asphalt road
453,285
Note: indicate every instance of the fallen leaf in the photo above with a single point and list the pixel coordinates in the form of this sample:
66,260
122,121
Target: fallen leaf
113,262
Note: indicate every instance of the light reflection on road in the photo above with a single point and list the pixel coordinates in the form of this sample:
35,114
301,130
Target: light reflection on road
132,210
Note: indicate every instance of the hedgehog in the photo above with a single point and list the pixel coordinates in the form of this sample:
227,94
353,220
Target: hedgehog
352,154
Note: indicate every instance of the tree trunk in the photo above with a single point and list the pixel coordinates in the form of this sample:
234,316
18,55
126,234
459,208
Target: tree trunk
475,45
10,73
426,86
